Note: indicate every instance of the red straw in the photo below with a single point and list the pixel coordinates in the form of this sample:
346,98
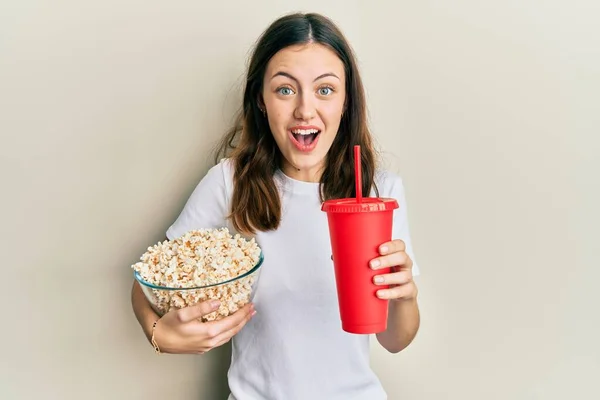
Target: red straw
358,174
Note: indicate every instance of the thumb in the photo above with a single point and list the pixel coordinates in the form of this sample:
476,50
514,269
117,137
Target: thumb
196,311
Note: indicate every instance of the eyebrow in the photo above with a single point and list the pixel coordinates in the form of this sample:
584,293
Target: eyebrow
281,73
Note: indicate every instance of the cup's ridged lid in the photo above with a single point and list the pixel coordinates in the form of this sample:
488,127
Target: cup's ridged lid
368,204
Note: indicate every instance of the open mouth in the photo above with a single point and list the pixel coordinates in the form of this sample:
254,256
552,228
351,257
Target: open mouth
305,139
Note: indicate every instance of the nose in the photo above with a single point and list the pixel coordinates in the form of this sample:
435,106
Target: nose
305,109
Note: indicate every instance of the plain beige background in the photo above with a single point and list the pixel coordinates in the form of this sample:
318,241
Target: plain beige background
488,109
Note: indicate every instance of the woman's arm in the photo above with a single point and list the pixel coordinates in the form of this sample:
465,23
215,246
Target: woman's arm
403,324
142,309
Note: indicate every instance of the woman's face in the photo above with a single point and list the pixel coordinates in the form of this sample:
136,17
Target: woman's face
304,92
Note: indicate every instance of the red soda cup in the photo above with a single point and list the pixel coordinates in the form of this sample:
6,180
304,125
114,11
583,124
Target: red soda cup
356,231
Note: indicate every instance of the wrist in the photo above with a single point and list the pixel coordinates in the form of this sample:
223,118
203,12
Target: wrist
406,301
143,311
148,325
153,341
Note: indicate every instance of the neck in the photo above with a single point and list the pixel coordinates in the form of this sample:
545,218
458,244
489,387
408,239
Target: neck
304,175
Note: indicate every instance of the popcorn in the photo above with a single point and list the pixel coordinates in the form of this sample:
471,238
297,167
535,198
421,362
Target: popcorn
200,258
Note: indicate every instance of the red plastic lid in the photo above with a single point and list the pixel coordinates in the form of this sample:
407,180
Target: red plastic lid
368,204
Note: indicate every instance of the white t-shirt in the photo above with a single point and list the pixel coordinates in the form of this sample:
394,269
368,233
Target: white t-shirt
294,347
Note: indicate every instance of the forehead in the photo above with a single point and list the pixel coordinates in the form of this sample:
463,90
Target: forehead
306,61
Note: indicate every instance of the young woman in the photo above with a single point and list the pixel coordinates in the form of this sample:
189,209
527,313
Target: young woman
303,111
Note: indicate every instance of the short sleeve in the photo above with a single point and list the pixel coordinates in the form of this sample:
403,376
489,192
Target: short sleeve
208,205
392,186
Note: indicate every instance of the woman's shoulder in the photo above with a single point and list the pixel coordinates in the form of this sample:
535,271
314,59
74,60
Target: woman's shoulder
388,182
223,171
385,175
218,179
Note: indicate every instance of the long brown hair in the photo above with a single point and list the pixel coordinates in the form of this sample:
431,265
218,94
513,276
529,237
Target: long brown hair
256,204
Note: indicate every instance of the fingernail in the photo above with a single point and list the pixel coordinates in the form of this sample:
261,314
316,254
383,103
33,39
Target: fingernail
375,263
383,249
215,303
379,279
381,294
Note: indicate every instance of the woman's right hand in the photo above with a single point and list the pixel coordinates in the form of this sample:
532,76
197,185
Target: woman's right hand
180,331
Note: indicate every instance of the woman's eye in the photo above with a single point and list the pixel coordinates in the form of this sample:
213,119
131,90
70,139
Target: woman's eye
286,91
325,91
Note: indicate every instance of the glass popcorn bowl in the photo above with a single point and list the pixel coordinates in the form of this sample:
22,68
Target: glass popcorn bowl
233,293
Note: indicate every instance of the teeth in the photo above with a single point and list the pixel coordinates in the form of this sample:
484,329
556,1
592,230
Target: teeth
305,132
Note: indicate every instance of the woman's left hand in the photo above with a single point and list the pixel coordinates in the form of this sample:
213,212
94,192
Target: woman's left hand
402,286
